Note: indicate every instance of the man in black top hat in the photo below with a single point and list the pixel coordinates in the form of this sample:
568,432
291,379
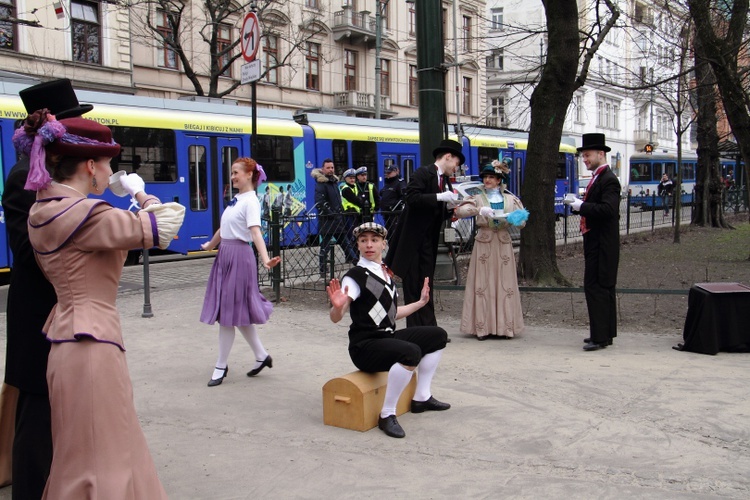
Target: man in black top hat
30,300
412,251
600,216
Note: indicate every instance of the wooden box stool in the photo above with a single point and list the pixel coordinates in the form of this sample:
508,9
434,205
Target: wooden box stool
354,401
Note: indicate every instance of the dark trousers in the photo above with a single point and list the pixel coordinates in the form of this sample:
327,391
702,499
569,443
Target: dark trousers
413,281
406,346
326,248
32,446
601,300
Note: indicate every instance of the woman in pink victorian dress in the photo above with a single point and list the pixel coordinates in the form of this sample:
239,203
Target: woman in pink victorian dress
99,449
492,304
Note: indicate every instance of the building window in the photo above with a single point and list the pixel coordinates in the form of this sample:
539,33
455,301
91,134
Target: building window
413,86
385,12
467,33
412,20
167,58
496,61
7,29
223,42
608,113
350,70
312,4
271,56
312,69
467,96
578,105
497,19
85,29
497,112
385,77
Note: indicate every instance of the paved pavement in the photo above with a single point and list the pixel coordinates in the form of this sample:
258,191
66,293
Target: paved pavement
532,417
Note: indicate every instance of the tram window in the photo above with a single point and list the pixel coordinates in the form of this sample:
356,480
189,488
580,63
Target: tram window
486,155
407,169
148,152
228,156
640,172
561,172
197,171
340,157
276,154
364,155
671,169
688,171
387,163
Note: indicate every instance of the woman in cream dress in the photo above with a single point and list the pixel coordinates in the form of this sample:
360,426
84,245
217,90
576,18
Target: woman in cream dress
492,304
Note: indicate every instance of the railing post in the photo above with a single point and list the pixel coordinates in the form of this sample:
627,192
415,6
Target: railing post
147,312
276,249
627,212
653,212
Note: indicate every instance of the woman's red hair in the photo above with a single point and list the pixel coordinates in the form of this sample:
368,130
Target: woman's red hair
250,166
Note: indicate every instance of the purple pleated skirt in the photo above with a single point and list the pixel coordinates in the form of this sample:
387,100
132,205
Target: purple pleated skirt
232,294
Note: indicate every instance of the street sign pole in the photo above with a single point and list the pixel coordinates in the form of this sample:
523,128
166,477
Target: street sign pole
250,43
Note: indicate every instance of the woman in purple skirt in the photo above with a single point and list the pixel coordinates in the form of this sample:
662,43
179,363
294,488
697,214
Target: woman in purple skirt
232,294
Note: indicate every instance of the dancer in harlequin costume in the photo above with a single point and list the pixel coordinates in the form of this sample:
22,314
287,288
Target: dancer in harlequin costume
232,294
99,450
369,293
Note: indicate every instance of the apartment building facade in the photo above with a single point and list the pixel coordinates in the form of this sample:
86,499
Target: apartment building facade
643,47
322,54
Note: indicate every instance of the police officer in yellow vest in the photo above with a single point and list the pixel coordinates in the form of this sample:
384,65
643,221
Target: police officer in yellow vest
366,197
349,200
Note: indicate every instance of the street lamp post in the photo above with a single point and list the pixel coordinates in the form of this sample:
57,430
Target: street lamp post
379,12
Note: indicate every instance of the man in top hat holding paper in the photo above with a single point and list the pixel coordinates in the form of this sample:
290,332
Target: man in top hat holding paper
412,251
30,300
600,226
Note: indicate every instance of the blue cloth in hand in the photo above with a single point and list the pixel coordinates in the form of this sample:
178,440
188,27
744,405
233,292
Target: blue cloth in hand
518,217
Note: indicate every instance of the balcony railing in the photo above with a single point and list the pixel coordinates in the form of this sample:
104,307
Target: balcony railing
357,27
361,103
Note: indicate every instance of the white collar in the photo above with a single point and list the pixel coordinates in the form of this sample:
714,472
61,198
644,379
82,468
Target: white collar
373,267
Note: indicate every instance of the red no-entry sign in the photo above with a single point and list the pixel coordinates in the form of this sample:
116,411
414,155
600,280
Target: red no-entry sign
250,36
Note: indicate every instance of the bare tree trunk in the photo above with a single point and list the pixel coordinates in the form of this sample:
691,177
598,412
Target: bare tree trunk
722,54
708,186
549,104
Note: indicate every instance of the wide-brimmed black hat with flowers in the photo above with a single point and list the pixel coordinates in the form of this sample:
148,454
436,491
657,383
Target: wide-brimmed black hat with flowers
449,146
57,95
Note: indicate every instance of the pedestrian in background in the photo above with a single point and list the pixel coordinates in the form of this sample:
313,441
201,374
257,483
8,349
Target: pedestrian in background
391,197
665,191
330,220
368,194
30,300
81,244
232,294
492,303
412,252
600,226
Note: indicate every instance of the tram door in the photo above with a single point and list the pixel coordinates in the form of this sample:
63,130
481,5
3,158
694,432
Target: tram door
4,248
406,164
209,162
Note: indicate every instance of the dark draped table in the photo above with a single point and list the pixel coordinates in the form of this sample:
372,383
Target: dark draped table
718,318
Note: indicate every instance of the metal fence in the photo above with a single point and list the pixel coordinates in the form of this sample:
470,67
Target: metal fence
309,262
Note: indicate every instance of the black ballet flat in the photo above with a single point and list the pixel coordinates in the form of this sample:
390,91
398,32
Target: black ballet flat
217,381
266,362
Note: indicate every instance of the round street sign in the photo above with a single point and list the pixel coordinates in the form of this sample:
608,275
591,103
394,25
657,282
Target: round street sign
250,36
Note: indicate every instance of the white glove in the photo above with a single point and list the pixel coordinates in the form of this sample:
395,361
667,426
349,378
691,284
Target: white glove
447,196
486,212
133,184
576,204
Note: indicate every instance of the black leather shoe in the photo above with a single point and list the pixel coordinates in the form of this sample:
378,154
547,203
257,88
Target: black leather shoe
588,341
217,381
390,426
483,337
431,404
594,346
266,362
